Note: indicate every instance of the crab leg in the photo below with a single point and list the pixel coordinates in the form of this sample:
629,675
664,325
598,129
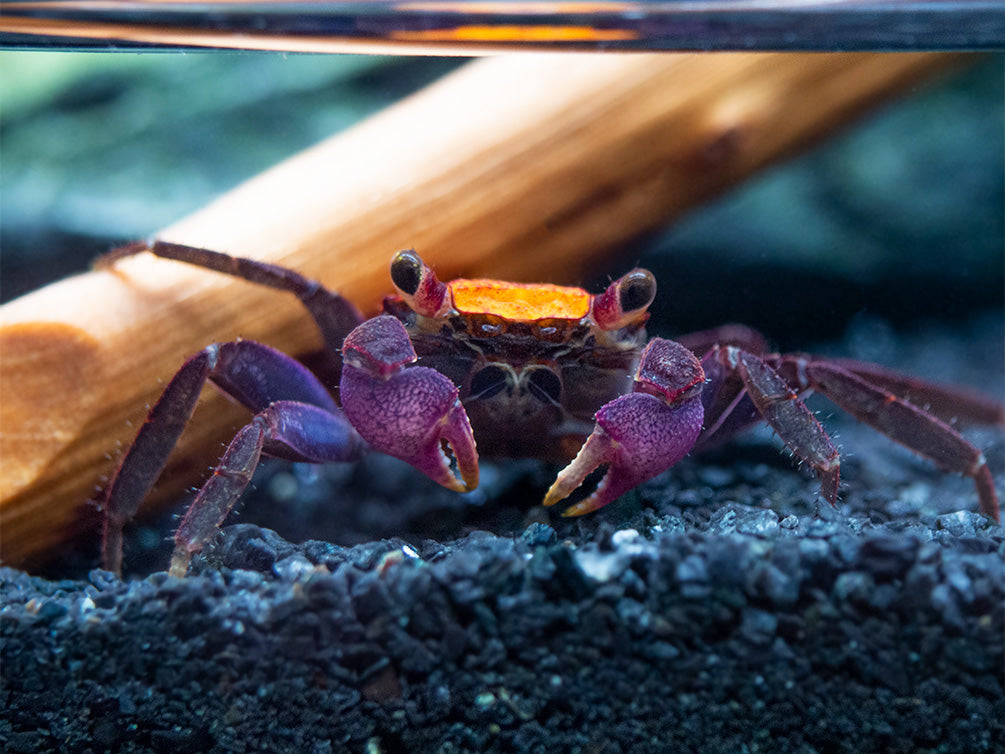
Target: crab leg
947,403
779,403
332,313
728,408
408,413
288,429
734,334
641,434
907,424
253,374
880,397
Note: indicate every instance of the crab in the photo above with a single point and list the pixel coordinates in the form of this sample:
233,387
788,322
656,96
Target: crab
536,370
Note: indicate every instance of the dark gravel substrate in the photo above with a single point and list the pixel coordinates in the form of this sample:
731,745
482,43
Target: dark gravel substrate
757,637
719,608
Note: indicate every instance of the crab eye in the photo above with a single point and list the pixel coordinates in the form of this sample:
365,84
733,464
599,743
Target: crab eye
545,385
488,382
636,290
418,284
406,271
625,301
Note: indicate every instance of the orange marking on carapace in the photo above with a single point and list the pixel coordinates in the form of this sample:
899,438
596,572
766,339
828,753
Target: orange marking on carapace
519,301
514,33
529,7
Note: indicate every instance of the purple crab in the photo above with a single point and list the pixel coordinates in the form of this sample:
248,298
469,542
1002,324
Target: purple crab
528,370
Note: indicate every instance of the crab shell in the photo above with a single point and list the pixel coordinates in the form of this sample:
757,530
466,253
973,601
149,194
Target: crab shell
531,363
528,370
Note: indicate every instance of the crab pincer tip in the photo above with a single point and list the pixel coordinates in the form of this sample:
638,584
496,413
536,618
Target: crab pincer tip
461,440
455,434
598,450
592,503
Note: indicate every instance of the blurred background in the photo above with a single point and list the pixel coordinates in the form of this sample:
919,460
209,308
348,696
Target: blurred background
899,217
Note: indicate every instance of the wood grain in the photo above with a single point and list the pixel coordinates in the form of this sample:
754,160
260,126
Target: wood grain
526,167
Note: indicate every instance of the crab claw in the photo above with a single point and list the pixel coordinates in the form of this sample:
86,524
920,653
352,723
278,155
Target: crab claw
411,414
641,434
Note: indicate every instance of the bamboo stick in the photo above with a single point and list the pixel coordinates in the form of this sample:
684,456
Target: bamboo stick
527,167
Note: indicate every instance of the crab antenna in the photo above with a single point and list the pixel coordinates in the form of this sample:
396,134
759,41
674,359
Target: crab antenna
418,284
625,301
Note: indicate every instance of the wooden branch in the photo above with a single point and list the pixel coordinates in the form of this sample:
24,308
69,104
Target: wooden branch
526,167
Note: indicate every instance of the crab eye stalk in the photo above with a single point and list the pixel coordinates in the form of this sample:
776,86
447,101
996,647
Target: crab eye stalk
418,285
625,301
